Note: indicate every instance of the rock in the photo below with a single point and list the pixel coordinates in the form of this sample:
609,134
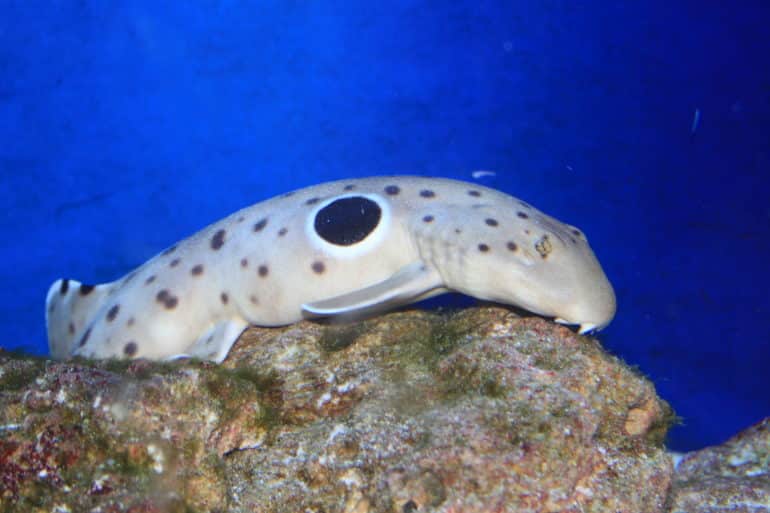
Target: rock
408,412
731,477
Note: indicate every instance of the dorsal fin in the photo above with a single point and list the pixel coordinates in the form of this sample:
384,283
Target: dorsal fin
69,307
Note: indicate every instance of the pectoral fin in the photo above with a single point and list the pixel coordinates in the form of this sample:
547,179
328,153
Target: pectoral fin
216,342
416,280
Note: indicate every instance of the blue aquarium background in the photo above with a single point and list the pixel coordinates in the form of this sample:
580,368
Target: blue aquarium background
126,126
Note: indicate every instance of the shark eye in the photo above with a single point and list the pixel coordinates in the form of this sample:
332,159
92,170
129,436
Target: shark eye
347,221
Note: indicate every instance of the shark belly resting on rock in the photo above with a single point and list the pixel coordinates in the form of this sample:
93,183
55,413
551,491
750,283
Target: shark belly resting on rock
333,249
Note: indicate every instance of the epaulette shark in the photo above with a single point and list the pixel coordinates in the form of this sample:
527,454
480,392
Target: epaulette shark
335,249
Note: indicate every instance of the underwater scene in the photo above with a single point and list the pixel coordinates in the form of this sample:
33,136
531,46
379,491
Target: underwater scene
126,127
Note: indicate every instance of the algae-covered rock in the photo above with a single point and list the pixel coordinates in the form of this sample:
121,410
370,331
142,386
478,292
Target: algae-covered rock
415,411
734,476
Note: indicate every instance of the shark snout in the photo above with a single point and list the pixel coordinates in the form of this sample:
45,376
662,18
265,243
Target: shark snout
593,310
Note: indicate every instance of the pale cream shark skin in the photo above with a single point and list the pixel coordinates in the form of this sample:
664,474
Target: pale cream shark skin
333,249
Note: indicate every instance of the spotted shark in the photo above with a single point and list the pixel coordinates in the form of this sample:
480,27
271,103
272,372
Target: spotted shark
342,248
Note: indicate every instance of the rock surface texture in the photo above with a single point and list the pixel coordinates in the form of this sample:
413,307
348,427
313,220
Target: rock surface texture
734,476
475,411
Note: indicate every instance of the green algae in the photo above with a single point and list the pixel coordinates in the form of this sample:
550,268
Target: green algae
427,345
240,382
262,381
142,369
19,376
243,389
338,337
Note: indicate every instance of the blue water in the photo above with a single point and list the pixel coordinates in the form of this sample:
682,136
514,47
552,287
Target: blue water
125,126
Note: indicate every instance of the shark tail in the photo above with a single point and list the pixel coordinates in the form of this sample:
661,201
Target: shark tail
69,307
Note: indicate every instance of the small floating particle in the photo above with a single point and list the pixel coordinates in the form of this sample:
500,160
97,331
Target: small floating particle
482,174
695,121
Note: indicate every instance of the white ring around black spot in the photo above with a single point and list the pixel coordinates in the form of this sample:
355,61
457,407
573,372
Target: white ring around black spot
368,243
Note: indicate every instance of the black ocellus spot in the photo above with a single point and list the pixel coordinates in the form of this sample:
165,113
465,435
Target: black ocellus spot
347,221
